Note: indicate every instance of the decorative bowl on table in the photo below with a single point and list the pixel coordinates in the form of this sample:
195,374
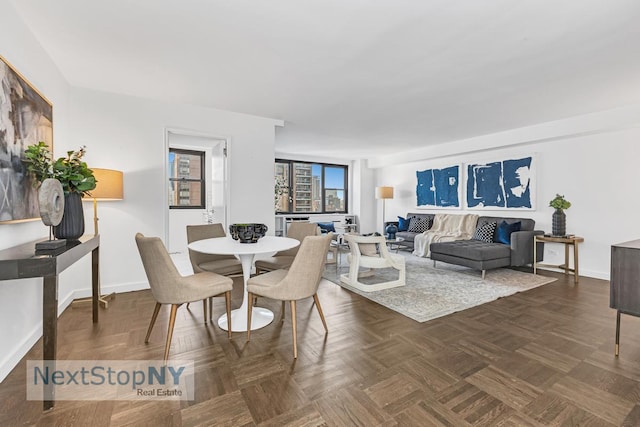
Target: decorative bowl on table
247,233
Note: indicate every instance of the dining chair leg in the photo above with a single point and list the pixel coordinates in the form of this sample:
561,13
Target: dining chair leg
204,309
210,309
294,329
249,310
172,322
317,301
156,310
283,311
227,300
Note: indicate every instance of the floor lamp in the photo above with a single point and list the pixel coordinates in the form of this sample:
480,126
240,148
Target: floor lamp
108,187
384,193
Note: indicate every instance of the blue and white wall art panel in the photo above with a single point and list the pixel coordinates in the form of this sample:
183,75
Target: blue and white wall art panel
504,184
438,188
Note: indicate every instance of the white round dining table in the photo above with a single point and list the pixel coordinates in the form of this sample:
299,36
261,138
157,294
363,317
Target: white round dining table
246,252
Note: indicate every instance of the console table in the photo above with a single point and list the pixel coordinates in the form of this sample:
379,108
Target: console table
23,262
567,241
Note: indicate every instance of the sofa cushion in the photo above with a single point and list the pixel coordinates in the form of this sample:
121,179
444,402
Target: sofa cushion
406,235
403,223
327,227
504,230
485,232
419,225
527,224
472,249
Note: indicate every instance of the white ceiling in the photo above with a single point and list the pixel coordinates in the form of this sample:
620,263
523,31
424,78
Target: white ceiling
355,78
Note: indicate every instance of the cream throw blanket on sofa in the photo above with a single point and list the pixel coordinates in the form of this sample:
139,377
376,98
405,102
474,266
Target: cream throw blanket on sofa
446,228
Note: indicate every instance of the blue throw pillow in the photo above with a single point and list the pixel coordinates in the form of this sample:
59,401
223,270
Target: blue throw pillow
403,224
504,230
326,227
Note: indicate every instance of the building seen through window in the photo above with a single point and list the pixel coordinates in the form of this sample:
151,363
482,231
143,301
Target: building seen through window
302,187
186,179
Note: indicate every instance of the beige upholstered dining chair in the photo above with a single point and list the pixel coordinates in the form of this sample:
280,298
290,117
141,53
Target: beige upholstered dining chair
226,265
169,287
371,252
283,259
300,281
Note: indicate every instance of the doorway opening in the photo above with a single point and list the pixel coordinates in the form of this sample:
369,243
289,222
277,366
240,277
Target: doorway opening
197,184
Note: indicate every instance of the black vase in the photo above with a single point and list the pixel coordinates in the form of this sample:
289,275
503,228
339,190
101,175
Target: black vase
559,223
72,225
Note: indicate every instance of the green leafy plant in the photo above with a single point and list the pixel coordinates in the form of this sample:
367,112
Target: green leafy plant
559,202
73,173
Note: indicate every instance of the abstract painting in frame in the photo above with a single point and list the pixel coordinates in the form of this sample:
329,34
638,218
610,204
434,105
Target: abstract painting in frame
503,184
438,188
26,117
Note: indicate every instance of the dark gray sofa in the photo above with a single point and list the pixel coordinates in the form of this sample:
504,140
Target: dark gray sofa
486,256
408,236
482,255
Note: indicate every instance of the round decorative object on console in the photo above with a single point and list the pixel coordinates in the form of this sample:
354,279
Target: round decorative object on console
391,231
247,233
51,201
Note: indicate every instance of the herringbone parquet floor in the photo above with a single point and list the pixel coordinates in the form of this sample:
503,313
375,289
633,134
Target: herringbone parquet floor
542,357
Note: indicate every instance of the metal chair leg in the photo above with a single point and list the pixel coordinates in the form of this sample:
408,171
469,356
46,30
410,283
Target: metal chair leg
617,333
172,322
317,301
294,329
156,310
249,310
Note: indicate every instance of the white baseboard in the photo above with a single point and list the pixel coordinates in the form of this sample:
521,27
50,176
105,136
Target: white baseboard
17,353
586,273
105,290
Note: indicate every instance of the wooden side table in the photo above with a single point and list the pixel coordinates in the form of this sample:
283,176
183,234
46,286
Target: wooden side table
567,241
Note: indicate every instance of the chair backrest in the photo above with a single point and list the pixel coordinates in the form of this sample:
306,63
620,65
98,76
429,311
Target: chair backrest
161,272
200,232
304,275
372,246
298,231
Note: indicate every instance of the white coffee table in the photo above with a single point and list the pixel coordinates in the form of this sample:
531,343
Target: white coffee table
260,316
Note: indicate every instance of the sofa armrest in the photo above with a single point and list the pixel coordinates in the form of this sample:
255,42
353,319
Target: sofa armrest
522,247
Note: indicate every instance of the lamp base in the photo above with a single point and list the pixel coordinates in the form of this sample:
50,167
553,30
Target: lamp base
103,300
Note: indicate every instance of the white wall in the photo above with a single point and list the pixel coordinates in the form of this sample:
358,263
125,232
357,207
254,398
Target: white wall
122,133
128,134
592,160
21,300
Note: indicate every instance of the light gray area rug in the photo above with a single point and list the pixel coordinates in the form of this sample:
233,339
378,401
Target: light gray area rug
435,292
